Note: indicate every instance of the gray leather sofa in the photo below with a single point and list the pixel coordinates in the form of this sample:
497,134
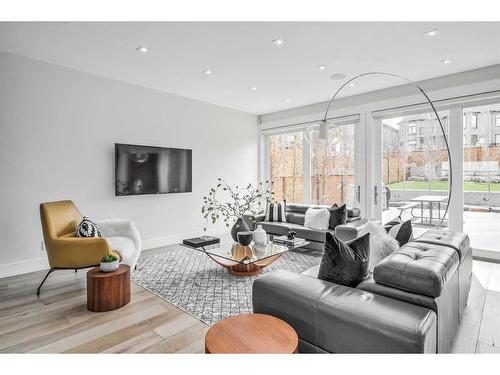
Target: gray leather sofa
295,216
413,303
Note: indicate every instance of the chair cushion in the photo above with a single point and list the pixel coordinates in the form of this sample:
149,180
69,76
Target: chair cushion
281,229
458,241
418,267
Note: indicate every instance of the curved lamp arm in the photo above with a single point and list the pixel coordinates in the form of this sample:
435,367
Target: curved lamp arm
450,185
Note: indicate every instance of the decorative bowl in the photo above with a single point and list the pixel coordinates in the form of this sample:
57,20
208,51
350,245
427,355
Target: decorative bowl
109,266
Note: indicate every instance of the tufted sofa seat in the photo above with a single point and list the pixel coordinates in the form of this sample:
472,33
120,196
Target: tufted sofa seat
419,268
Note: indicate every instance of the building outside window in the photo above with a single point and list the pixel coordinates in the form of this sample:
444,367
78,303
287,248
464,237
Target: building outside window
497,139
412,129
473,121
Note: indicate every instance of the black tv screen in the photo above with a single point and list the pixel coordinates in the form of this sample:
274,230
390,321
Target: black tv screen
152,170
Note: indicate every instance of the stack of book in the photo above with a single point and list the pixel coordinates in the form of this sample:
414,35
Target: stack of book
284,240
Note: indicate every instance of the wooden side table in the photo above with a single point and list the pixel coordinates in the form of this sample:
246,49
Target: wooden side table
251,333
108,290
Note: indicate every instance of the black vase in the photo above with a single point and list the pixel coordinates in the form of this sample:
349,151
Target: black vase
239,226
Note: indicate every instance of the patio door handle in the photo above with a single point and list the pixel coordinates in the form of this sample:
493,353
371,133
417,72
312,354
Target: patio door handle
358,193
375,195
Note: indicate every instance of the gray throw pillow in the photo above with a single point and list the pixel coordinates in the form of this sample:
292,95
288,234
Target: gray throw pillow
401,231
338,215
345,263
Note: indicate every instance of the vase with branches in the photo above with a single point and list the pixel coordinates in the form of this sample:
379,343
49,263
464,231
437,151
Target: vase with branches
233,204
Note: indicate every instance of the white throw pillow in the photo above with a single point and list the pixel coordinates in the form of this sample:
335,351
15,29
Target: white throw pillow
317,218
381,244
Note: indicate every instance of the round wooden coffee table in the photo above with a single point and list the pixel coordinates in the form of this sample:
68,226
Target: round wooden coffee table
251,333
108,290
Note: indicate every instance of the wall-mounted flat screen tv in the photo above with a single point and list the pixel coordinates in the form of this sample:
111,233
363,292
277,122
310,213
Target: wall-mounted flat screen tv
152,170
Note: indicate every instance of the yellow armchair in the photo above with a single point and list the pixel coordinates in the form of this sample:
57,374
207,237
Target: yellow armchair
64,249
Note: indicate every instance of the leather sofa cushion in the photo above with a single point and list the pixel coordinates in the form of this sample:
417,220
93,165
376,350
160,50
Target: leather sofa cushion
458,241
369,285
295,218
418,267
281,229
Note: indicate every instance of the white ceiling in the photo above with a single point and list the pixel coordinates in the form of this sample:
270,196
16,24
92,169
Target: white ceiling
241,55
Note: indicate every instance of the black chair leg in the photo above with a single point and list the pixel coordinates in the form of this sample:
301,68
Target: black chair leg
45,278
76,270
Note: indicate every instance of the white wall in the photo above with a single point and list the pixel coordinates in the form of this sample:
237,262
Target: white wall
58,127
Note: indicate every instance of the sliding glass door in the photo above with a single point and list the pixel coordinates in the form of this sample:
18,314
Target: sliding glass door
414,170
481,183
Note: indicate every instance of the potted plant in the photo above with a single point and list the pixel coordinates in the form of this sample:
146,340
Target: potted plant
109,263
242,202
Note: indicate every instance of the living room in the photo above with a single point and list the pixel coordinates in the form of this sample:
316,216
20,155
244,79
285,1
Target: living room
185,186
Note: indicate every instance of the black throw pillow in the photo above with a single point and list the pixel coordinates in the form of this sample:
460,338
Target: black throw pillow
401,231
88,228
338,215
345,263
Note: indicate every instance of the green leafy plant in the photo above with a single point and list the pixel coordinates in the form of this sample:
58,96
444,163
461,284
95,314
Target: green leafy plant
108,258
249,201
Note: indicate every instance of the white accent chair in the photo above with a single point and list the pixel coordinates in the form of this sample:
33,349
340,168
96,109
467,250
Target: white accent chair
124,238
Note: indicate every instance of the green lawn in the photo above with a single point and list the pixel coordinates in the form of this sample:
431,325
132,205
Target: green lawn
441,185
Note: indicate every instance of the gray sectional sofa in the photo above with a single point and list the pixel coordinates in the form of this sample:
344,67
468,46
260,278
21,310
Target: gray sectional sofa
295,215
413,303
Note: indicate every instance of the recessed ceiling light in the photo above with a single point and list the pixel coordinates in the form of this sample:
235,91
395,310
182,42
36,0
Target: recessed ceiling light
253,88
321,67
288,100
207,72
279,41
432,33
352,84
142,49
446,61
338,76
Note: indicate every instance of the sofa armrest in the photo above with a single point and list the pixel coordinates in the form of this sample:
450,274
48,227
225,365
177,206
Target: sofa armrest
351,230
340,319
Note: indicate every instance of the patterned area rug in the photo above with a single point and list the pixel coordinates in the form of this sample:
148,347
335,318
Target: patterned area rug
190,280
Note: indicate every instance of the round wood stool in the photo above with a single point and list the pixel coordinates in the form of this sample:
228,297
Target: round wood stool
251,333
108,290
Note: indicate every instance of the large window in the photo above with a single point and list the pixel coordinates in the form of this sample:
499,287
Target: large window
287,172
332,166
328,175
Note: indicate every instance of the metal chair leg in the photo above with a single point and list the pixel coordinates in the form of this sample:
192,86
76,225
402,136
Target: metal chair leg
45,278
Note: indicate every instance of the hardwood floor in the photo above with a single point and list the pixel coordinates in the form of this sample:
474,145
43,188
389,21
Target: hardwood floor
59,322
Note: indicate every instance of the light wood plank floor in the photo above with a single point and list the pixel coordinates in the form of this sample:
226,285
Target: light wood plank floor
58,321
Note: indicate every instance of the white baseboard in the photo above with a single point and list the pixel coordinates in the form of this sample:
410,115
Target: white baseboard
37,264
26,266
